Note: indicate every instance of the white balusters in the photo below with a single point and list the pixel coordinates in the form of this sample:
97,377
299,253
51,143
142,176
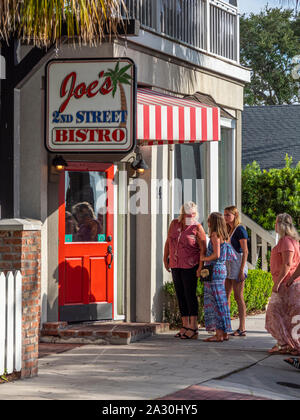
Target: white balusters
10,322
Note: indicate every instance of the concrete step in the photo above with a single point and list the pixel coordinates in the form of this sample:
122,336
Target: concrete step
254,322
99,332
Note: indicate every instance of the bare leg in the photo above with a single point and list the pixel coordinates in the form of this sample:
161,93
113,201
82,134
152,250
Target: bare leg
228,288
220,334
238,288
193,322
192,332
184,328
193,325
185,324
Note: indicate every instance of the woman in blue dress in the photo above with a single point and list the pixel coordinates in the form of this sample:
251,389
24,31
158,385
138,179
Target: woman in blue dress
216,309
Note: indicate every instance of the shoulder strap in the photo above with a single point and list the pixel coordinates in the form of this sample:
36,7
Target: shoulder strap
234,231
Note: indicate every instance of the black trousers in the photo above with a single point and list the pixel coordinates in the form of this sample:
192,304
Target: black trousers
185,282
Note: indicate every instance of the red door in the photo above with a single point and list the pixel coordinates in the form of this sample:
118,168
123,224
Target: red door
86,242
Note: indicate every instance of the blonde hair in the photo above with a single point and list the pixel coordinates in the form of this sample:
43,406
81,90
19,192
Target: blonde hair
188,208
285,226
237,220
218,225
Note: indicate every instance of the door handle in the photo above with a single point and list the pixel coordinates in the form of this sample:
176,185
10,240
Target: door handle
110,252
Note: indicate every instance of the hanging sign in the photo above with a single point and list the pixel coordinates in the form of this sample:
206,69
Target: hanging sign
90,105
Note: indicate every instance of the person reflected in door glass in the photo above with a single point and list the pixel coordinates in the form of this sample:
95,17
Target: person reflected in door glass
71,224
88,226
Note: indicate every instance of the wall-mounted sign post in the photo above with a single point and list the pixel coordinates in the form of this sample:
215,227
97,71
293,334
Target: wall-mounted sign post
90,105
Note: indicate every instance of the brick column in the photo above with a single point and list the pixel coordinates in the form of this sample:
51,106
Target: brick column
20,249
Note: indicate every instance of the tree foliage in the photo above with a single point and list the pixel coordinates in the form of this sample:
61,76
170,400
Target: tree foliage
268,193
269,42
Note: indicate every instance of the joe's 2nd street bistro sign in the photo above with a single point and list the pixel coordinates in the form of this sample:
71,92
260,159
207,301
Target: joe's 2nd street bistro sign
90,105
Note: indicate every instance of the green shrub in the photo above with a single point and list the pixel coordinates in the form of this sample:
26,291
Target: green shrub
268,193
258,289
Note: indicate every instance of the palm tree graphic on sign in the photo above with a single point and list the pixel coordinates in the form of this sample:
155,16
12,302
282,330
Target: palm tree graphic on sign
119,77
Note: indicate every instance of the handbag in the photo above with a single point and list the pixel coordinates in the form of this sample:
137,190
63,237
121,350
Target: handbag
206,273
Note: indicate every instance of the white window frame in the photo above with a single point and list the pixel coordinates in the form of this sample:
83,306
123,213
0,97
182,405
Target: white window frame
213,167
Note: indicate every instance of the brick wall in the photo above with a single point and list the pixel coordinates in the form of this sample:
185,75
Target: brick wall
20,250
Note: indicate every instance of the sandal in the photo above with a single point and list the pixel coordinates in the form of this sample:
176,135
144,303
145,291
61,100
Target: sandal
192,337
293,352
179,334
293,362
278,349
238,333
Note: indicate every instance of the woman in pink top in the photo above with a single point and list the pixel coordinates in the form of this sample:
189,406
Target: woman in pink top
186,238
295,362
283,314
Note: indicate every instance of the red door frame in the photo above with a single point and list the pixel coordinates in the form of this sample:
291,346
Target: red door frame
87,248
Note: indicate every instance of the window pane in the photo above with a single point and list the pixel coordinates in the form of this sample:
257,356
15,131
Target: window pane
226,170
86,204
190,182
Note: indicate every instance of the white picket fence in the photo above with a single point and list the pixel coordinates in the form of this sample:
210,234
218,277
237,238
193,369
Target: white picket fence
10,322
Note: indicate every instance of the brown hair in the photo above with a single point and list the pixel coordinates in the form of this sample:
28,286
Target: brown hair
218,225
84,209
237,220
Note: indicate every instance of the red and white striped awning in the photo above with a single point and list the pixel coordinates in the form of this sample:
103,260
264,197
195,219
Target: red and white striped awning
164,119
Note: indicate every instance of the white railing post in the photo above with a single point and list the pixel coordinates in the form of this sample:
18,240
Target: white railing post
238,38
18,321
264,250
2,322
10,323
208,25
156,4
253,248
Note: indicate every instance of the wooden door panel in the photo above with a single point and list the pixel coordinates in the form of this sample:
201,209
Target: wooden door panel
74,278
98,279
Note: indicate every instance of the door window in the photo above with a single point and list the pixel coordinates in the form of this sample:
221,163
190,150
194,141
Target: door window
86,206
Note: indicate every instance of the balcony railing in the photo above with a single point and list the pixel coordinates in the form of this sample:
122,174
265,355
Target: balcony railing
206,25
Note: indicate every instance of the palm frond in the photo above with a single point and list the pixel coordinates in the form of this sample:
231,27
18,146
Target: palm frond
124,69
124,81
41,22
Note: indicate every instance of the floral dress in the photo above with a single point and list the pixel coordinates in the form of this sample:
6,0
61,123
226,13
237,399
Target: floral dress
283,314
216,309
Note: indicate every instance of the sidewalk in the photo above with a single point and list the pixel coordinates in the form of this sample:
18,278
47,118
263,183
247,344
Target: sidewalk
162,367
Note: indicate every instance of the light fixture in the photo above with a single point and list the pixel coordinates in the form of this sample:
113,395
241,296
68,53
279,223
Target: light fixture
139,165
59,163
